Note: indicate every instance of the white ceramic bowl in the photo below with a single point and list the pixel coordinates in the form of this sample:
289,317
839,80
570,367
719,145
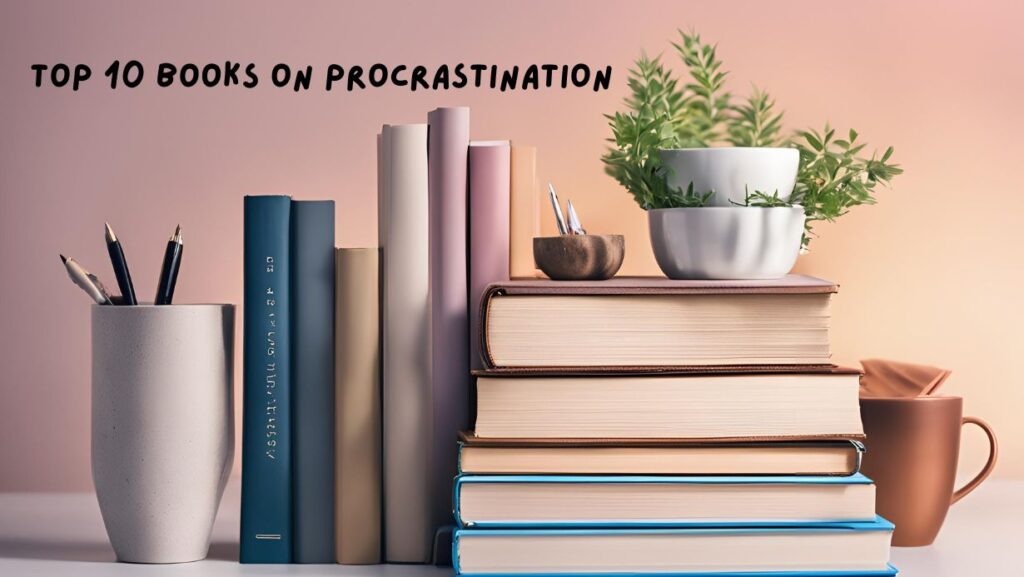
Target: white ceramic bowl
733,171
726,242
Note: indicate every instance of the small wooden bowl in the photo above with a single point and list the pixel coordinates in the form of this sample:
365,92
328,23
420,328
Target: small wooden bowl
579,257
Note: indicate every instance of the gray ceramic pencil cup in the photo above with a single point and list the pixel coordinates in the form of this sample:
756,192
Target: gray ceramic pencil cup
162,426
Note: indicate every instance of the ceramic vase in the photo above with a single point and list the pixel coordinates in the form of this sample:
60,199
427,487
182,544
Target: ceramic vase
726,242
725,239
732,172
162,426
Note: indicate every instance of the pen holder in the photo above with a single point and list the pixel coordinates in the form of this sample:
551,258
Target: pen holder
162,426
579,256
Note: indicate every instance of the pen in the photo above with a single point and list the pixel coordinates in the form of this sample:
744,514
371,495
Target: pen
559,219
88,282
169,270
124,278
574,220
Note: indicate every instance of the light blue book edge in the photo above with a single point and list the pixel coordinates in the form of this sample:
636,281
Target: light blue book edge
857,479
879,524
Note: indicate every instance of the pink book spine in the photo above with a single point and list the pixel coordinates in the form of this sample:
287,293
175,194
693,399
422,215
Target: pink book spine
448,153
489,181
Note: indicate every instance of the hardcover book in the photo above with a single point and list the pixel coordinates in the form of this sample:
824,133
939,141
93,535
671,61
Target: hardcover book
266,515
405,301
725,407
312,305
447,153
825,549
489,181
358,408
524,216
656,457
660,501
670,324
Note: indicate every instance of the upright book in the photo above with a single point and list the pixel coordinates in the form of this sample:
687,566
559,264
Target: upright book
655,323
447,152
524,216
489,181
312,305
266,516
405,289
357,408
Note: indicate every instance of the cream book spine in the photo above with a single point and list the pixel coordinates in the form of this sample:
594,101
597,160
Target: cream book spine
357,443
408,419
524,218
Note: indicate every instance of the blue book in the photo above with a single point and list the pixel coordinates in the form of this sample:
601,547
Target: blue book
509,501
266,524
312,306
825,549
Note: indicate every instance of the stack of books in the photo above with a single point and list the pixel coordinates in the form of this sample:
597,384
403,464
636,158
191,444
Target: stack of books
664,427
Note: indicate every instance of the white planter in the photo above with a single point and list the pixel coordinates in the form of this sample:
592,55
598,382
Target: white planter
726,242
162,426
732,172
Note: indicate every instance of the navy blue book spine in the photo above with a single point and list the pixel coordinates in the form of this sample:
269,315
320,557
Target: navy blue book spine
266,527
312,292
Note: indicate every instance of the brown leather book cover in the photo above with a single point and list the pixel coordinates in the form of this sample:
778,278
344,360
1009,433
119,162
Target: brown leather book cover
622,371
790,284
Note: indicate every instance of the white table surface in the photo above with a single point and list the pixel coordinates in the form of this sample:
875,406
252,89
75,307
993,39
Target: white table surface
58,534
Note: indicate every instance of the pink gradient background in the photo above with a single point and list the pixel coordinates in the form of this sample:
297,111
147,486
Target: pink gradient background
932,274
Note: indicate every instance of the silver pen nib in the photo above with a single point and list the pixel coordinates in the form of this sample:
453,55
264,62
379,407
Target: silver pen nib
111,237
574,220
559,219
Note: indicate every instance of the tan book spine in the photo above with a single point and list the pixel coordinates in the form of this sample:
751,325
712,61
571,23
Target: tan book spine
357,462
524,218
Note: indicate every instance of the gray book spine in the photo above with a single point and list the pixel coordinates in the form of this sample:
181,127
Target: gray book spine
312,289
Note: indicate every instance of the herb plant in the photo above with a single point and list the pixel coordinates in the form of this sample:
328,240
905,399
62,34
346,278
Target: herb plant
665,112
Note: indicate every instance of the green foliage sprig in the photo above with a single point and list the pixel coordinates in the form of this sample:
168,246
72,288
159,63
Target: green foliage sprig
664,112
755,123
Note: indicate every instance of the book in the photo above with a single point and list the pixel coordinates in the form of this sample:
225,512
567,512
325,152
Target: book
489,181
826,549
266,513
405,304
628,323
524,216
312,306
447,153
656,457
357,406
667,501
733,407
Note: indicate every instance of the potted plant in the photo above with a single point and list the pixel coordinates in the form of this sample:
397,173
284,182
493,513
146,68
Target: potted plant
727,195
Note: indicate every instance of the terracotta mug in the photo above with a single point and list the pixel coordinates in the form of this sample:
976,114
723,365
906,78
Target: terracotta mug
913,445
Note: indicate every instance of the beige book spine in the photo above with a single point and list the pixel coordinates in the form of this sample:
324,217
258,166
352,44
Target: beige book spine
405,338
524,218
357,462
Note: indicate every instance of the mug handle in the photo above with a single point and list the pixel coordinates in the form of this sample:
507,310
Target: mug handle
993,454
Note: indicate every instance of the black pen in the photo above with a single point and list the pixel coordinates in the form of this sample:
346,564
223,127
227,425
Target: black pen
120,264
169,270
